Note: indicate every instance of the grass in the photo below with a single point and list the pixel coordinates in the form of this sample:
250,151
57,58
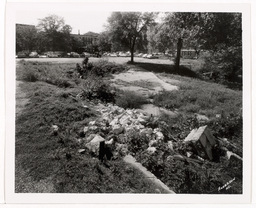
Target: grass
43,155
166,68
43,158
197,96
128,99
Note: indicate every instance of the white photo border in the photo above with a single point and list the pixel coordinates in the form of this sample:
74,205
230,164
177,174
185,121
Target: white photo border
12,197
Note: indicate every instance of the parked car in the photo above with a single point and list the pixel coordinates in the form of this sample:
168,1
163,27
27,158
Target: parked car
74,55
43,56
151,56
33,54
113,55
122,54
144,55
85,54
22,54
140,55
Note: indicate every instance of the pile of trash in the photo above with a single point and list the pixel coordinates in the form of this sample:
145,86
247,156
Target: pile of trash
111,133
114,128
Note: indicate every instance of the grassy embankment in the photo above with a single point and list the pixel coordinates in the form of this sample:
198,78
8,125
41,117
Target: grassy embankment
53,160
195,97
221,105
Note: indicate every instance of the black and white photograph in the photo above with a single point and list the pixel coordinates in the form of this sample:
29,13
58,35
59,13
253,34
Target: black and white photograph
135,101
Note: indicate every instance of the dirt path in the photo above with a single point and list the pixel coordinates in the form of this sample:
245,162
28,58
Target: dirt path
141,82
23,182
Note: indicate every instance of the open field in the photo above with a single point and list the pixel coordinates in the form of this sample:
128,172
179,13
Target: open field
49,162
118,60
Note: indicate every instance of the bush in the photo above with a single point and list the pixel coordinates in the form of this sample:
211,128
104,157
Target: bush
51,73
103,68
224,63
128,99
29,75
96,88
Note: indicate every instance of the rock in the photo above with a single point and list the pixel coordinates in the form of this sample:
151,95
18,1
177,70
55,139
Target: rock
147,131
151,150
170,145
117,129
201,118
125,120
86,129
140,126
86,106
156,130
178,157
230,155
129,112
89,138
93,128
110,142
92,123
114,122
81,151
94,144
218,115
189,154
152,143
158,191
55,128
203,141
159,135
142,121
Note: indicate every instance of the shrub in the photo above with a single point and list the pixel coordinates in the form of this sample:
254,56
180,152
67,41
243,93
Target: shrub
225,63
29,75
96,88
128,99
103,68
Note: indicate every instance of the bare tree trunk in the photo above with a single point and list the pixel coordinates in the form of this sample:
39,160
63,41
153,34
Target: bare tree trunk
177,61
132,50
132,59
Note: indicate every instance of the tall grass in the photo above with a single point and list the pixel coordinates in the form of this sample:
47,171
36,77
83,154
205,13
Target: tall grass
128,99
196,96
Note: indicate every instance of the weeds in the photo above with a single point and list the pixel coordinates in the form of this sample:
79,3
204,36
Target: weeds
127,99
95,88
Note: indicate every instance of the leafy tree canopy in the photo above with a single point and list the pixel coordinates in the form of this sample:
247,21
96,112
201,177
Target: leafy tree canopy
127,29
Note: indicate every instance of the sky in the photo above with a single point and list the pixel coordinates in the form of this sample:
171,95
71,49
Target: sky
83,21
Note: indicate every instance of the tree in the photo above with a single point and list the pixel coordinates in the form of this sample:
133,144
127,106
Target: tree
56,32
183,28
104,42
128,29
218,33
26,36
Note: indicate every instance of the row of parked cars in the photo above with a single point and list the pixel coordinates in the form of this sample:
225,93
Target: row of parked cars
128,54
55,54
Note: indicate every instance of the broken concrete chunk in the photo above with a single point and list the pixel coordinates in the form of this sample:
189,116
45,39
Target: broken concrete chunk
151,150
55,128
86,129
81,151
159,135
170,145
94,144
152,143
92,123
202,139
230,154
